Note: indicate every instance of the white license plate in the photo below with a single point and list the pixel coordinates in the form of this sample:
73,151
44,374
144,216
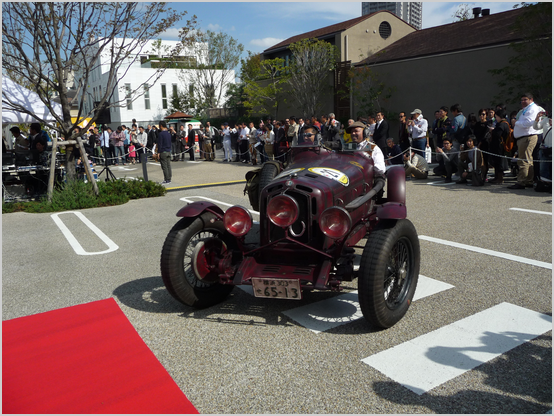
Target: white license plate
276,288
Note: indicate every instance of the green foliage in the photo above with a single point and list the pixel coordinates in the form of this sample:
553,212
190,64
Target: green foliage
530,69
264,91
75,195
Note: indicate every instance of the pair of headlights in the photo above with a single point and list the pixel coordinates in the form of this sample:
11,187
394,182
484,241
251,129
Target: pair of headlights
335,222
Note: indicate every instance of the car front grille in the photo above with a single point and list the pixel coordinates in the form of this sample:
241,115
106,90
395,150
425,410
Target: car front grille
303,229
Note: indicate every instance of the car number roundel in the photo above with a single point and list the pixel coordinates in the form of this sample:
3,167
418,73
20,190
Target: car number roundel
333,174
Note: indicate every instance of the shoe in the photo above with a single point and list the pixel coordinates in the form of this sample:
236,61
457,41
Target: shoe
461,181
166,182
529,185
516,186
448,180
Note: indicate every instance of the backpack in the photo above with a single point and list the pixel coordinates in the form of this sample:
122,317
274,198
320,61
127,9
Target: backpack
252,187
463,132
509,143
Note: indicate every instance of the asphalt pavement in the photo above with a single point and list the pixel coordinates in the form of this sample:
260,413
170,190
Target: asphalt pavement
486,270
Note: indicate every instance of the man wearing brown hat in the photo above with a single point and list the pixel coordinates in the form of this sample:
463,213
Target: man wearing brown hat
356,131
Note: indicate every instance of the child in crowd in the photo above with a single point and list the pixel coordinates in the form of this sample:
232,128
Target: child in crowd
132,153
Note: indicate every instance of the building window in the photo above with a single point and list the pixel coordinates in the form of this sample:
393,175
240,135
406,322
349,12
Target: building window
174,90
164,97
146,97
385,30
128,96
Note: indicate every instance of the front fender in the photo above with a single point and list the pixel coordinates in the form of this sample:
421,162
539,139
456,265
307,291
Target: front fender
396,184
391,211
194,209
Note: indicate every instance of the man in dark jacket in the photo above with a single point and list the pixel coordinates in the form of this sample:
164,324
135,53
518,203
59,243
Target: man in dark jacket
381,133
191,141
163,149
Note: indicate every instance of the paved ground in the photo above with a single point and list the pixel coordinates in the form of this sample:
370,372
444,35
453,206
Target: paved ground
250,355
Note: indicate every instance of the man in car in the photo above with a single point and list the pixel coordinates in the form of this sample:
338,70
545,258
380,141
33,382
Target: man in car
356,131
309,134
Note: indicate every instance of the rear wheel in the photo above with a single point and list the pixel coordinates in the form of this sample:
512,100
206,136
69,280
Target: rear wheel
183,260
388,273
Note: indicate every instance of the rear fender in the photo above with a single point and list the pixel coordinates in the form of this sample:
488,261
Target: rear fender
194,209
396,184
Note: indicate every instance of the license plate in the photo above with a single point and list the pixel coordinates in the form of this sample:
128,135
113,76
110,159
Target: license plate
276,288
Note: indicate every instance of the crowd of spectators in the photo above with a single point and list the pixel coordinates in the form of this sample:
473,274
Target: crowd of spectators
463,148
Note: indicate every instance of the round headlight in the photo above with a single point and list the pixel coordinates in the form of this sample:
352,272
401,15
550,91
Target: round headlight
237,220
335,222
282,211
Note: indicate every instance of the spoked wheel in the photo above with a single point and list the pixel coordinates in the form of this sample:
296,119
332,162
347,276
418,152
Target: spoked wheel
189,250
388,273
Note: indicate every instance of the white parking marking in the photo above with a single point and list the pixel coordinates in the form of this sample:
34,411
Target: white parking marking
531,211
73,241
339,310
488,252
439,356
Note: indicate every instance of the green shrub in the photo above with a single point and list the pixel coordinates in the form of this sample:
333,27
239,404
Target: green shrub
80,195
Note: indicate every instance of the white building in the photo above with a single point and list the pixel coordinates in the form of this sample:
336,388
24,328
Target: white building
147,101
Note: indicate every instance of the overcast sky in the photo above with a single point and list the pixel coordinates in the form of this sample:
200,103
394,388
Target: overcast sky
259,25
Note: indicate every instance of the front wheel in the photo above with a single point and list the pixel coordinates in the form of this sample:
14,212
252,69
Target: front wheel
189,243
388,274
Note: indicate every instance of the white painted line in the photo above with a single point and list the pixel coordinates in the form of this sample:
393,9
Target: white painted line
531,211
488,252
326,314
73,241
441,183
439,356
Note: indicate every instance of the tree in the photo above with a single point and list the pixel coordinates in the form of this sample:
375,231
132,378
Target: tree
463,12
43,44
312,60
182,101
367,90
530,67
235,98
218,54
265,91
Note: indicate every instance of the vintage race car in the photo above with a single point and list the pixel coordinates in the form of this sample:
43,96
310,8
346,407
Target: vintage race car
313,214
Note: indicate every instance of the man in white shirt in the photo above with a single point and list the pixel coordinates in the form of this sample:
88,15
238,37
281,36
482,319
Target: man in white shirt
526,139
105,143
142,140
418,129
244,136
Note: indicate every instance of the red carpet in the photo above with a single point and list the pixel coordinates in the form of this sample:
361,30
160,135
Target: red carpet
83,359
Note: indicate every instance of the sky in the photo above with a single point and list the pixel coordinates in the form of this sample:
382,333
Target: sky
260,25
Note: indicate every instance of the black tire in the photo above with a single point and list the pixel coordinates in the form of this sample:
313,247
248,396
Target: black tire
267,174
176,262
388,273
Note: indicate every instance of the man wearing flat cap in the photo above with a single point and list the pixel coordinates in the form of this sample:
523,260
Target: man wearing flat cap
417,127
356,131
